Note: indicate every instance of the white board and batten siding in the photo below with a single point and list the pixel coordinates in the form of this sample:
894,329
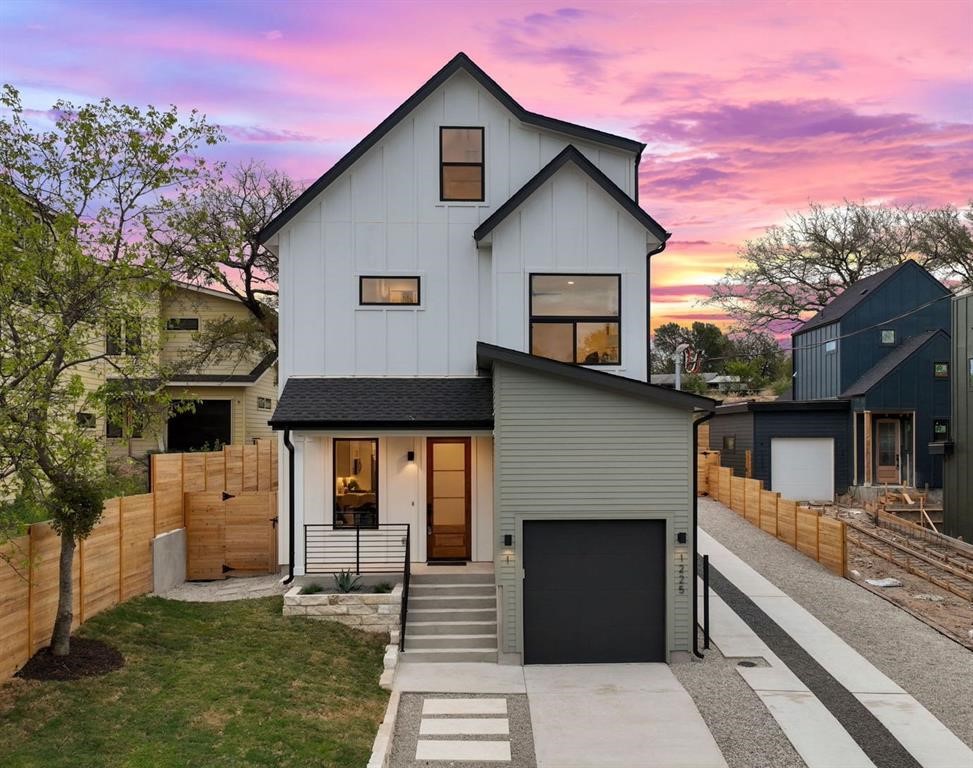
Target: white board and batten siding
384,216
565,450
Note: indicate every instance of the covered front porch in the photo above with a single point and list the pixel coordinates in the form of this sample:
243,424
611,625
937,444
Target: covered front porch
885,443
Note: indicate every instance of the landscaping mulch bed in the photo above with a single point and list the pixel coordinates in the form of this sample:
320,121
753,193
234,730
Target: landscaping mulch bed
88,658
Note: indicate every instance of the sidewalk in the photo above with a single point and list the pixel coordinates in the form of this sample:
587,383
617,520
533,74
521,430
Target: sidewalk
831,702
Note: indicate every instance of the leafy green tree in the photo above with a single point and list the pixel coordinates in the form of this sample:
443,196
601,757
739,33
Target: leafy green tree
798,267
75,203
705,338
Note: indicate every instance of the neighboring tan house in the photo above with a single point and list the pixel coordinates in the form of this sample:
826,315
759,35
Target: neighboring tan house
870,393
464,314
233,398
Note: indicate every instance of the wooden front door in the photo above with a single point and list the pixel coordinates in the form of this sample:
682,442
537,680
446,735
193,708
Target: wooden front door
448,498
887,451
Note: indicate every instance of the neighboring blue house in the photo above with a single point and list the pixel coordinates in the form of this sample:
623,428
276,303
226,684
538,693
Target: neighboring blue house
881,349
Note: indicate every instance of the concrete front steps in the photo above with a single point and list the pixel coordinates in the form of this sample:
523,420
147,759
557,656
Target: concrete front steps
451,617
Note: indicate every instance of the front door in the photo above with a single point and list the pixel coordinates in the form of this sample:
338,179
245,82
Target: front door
448,498
887,452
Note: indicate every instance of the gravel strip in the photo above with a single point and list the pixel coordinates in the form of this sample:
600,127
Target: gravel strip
934,669
745,731
407,732
238,588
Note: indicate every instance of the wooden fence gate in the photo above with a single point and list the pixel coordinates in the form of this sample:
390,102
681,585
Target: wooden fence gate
227,534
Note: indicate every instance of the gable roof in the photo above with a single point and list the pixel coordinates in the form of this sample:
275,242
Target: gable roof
890,362
385,403
488,354
459,62
570,154
855,294
227,378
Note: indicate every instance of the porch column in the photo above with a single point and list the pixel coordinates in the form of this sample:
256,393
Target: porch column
854,448
868,447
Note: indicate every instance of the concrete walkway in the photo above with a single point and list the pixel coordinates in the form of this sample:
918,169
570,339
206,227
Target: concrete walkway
588,715
240,588
815,680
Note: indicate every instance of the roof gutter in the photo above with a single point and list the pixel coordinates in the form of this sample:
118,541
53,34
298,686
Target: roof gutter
648,296
290,507
696,424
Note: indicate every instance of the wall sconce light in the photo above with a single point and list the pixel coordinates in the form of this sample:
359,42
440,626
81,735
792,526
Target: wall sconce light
410,456
681,537
508,539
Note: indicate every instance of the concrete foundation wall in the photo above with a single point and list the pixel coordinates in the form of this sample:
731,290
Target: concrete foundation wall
168,560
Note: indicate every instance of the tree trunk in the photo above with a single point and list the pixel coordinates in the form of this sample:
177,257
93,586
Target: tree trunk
61,636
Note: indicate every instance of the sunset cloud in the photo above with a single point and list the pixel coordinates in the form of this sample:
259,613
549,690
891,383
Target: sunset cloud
749,110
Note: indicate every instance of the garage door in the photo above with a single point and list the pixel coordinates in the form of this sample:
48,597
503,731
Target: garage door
206,426
594,591
802,468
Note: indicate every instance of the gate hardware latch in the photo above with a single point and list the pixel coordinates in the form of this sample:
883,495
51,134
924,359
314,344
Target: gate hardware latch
228,496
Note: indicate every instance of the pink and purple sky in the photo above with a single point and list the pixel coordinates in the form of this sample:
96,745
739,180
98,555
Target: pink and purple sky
749,109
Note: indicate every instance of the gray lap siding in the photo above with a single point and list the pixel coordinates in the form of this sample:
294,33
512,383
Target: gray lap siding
567,450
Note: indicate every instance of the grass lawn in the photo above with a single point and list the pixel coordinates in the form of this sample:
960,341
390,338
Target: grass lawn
215,684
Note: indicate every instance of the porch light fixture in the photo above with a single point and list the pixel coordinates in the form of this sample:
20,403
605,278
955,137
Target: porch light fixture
508,539
410,456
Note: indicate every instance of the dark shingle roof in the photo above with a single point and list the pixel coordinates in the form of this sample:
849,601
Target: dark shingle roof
850,298
459,62
889,363
570,154
385,403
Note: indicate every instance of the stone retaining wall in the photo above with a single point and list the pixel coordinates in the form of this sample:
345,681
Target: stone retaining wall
363,610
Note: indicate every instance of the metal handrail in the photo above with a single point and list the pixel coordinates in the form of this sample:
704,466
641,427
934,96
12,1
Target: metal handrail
373,549
406,574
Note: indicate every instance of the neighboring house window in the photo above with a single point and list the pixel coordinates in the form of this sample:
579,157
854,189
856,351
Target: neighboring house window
575,318
888,336
940,430
355,483
940,370
729,443
182,324
124,337
86,420
264,403
830,346
461,164
115,429
388,291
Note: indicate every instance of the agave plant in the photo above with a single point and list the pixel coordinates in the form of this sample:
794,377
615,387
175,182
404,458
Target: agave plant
346,581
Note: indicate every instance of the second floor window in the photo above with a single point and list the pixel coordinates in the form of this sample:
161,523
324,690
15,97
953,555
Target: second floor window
182,324
124,337
888,337
461,164
388,290
576,318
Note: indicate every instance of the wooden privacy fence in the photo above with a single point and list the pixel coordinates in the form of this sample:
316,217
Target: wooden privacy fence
114,563
227,533
815,535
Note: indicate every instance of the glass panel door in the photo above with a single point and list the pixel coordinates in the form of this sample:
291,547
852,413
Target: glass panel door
887,451
448,498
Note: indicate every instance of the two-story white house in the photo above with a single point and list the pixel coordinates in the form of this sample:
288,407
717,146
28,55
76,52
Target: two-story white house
463,356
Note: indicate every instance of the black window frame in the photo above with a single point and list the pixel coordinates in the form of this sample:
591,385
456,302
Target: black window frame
335,522
935,371
881,335
361,291
481,165
178,323
86,420
123,337
573,319
729,443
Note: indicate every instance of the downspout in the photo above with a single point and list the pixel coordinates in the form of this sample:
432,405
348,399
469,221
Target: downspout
290,506
648,305
696,424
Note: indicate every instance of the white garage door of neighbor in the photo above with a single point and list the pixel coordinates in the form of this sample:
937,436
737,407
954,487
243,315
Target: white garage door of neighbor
802,468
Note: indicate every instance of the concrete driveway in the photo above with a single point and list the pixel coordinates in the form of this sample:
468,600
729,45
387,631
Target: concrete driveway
625,715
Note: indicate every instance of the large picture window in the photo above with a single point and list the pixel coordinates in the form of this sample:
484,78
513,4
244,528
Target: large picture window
576,318
388,291
355,483
461,164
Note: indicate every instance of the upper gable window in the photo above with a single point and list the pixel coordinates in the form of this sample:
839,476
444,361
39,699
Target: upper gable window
888,336
461,164
576,318
182,324
388,291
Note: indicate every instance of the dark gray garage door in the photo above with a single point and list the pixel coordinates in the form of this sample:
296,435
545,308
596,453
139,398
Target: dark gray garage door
594,591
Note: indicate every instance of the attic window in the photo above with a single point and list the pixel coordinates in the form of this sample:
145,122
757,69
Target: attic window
831,346
182,324
888,337
461,153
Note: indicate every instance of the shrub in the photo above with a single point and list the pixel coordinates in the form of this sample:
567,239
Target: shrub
311,589
382,588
